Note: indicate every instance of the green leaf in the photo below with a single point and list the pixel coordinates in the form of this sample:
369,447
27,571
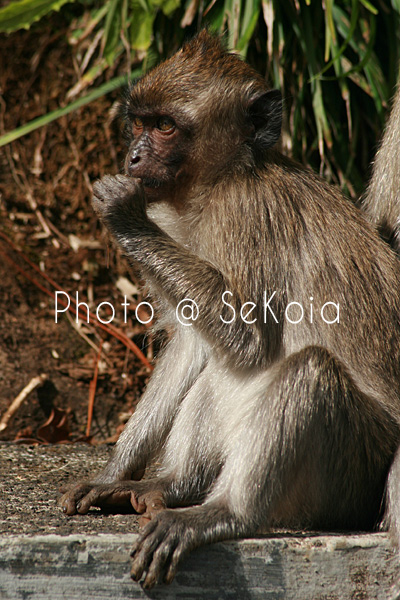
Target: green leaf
112,29
167,6
347,41
21,15
248,25
141,29
369,7
330,32
216,17
232,12
143,14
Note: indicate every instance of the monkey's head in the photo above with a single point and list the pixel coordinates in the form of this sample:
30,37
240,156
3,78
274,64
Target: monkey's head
198,114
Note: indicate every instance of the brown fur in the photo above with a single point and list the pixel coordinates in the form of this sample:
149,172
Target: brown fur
381,203
260,423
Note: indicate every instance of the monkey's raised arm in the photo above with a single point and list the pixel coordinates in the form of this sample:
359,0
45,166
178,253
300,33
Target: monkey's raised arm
180,274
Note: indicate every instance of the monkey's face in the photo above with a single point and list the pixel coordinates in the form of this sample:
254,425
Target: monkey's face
194,116
158,153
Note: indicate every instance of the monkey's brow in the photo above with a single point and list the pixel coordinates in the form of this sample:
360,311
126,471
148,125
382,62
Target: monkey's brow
136,109
147,111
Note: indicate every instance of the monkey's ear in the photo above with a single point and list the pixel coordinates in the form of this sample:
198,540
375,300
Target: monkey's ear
265,113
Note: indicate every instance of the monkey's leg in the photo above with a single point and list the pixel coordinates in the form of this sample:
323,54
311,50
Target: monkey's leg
311,450
147,429
191,461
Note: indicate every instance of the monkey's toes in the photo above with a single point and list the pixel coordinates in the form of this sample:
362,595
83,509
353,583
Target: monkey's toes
70,500
68,504
148,505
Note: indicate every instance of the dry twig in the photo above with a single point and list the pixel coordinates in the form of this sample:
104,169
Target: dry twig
18,401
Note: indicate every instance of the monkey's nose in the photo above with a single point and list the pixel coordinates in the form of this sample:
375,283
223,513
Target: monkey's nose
135,158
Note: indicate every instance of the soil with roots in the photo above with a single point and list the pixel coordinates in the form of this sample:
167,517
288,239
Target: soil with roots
47,222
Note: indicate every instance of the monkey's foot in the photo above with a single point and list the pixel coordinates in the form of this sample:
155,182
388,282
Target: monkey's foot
165,540
80,498
117,495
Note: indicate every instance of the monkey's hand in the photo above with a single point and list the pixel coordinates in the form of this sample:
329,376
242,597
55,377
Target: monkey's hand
165,540
119,495
120,203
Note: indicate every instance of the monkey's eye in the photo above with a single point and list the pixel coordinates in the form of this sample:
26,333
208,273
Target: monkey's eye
165,124
137,122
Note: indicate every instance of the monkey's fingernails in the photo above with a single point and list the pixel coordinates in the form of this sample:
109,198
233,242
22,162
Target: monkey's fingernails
122,178
170,576
143,558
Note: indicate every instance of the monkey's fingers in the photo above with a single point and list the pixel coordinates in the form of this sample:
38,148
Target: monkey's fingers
159,550
179,553
109,191
120,199
150,513
113,186
142,551
138,503
161,558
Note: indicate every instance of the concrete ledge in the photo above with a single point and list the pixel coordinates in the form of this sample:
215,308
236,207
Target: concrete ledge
45,555
96,567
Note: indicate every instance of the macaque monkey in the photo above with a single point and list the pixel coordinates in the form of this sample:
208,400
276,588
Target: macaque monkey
278,402
381,203
381,206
